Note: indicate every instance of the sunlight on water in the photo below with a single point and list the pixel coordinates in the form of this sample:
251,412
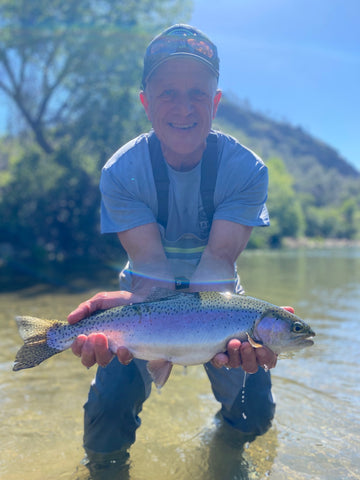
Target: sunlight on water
316,431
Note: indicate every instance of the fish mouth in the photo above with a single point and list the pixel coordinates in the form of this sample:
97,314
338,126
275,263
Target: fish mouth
305,340
309,338
295,344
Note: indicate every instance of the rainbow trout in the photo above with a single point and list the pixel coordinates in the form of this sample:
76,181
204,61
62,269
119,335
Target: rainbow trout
183,328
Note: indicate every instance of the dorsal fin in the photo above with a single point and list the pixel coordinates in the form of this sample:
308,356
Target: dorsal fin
158,293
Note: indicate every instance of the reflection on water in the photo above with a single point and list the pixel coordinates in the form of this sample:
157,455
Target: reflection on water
316,430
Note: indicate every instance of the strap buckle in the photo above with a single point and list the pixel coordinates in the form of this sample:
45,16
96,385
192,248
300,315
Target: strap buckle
181,283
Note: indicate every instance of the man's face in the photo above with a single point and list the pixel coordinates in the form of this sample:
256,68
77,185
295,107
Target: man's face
180,100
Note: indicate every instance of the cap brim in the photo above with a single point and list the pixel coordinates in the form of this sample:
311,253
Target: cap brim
180,54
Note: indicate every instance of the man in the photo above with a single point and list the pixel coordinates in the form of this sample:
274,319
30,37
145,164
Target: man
194,246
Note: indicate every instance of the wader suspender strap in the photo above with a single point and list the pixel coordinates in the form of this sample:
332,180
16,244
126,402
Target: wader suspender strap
209,169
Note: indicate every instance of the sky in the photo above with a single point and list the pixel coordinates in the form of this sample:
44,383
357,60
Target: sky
293,60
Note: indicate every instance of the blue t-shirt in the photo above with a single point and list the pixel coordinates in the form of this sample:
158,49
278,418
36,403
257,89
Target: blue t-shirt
129,197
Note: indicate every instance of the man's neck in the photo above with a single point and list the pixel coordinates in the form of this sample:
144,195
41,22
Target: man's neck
183,162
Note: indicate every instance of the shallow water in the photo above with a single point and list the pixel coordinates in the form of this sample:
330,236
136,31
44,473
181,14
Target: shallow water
316,431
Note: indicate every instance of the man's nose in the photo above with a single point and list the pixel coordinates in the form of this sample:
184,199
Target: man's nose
184,104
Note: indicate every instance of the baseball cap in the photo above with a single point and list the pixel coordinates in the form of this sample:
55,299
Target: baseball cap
180,40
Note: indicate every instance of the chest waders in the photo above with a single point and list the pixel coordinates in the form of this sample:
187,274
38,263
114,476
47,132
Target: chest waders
209,168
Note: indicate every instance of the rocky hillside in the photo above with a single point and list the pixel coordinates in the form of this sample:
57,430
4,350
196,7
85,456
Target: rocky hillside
317,168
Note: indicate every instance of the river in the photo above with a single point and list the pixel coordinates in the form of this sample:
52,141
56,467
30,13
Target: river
316,431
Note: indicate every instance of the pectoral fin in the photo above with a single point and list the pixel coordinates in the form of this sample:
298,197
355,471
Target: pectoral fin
159,371
253,343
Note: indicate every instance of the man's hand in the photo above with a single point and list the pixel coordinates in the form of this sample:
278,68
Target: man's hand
94,348
242,354
103,301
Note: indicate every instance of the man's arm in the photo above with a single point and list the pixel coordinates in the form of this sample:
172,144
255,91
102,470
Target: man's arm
216,267
150,265
143,245
151,268
216,272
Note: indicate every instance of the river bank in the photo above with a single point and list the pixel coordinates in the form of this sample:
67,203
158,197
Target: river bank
306,242
81,274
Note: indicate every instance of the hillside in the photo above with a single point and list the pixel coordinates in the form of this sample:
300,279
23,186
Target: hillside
317,168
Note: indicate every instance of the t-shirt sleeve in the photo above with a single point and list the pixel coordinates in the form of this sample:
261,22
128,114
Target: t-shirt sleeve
241,188
124,204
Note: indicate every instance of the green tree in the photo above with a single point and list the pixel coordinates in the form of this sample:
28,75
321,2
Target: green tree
287,219
76,64
73,70
332,222
350,219
45,215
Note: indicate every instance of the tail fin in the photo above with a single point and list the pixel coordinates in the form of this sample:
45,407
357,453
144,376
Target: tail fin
35,349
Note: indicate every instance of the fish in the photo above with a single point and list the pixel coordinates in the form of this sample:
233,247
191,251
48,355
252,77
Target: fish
180,328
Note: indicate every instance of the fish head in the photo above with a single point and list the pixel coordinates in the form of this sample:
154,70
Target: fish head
282,331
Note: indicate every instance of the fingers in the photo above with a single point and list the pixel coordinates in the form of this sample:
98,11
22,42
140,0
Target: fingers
77,345
88,356
244,355
230,359
92,349
248,358
82,311
289,309
241,354
238,354
234,353
101,301
265,357
124,355
95,349
220,360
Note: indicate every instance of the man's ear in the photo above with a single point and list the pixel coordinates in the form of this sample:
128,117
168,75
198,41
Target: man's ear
145,103
217,99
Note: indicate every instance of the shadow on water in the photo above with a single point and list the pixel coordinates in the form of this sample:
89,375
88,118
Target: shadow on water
216,453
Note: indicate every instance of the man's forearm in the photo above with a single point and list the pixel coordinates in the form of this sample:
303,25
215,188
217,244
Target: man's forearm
213,273
150,267
150,275
216,269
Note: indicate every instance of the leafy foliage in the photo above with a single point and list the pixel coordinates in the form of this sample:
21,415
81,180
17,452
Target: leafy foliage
286,211
73,70
48,208
312,191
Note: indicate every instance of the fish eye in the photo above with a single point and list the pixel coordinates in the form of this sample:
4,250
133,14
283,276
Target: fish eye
297,327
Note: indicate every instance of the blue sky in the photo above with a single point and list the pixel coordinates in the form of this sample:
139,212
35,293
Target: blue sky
294,60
